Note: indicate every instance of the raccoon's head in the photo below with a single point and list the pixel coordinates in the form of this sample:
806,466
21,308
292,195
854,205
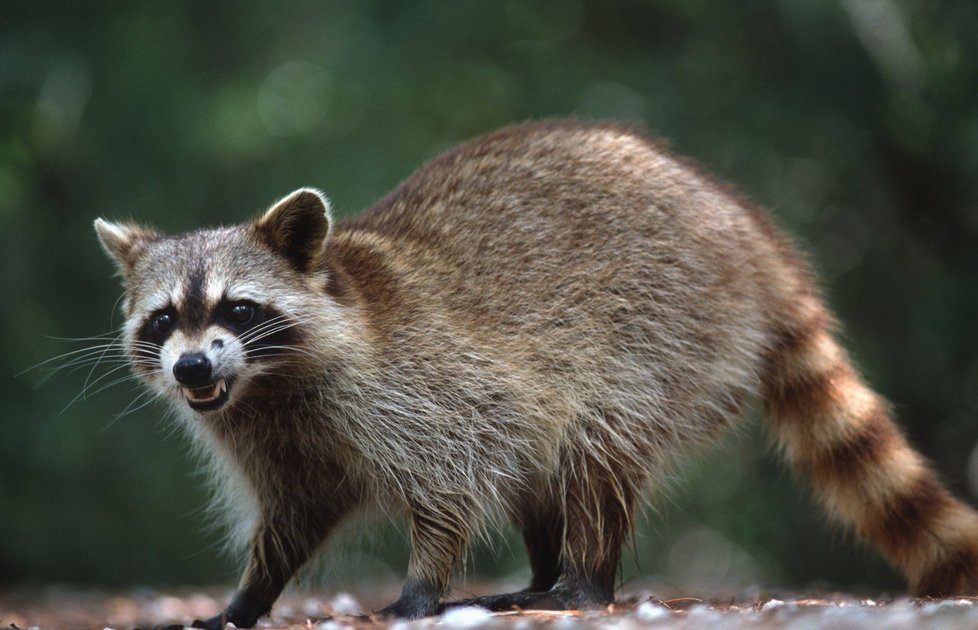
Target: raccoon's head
210,311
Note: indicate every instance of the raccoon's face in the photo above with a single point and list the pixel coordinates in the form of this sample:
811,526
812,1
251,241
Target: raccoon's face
210,311
201,331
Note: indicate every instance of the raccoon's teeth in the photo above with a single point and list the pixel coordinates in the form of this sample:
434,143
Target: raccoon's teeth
207,393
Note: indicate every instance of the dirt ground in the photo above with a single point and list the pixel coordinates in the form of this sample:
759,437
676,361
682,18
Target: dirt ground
144,608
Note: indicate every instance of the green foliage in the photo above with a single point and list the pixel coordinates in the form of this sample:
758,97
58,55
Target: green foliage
855,121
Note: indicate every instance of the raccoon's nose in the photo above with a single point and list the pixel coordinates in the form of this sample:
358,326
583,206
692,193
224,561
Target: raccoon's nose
193,370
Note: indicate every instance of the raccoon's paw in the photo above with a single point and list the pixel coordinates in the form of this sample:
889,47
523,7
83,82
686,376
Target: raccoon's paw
243,611
214,623
410,609
567,597
523,600
418,599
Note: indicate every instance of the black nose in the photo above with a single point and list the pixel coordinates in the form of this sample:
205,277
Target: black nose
193,370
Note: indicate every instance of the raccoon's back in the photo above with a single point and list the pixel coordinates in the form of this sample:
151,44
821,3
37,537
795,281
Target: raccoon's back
564,213
587,255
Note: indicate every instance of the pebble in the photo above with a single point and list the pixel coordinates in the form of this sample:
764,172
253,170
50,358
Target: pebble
345,604
647,611
466,617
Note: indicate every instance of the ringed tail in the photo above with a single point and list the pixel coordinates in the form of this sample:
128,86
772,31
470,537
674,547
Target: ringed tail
839,434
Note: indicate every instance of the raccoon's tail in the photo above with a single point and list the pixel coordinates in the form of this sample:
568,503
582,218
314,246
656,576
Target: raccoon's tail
839,434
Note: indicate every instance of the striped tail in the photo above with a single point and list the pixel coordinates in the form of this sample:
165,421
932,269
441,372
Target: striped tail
839,434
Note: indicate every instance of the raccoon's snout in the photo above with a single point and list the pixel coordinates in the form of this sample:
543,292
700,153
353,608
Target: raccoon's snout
195,373
193,370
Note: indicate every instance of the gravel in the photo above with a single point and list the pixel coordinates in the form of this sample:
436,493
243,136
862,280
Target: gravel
65,608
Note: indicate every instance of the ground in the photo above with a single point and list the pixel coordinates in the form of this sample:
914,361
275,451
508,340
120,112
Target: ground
71,609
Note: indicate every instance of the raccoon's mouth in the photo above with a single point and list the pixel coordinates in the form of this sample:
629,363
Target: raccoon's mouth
209,397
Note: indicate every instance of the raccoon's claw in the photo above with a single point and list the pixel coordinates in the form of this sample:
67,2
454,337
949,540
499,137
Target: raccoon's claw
218,622
418,599
582,596
241,615
524,600
214,623
410,609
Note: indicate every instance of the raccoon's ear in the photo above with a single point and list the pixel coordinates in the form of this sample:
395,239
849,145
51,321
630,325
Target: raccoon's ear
296,227
123,242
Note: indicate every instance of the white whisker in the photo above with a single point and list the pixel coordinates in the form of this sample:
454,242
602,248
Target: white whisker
266,351
144,399
72,356
87,389
107,352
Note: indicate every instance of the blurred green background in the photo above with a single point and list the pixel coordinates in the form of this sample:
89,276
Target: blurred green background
855,121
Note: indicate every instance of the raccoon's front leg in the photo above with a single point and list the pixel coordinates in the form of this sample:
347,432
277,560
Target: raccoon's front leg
438,542
279,547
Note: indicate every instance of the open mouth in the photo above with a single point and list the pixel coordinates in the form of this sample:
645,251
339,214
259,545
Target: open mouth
208,397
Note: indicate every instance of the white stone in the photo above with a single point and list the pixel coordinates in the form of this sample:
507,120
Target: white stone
346,604
647,611
466,617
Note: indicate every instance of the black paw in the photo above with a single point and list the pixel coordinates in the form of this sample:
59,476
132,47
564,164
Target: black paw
218,622
417,600
214,623
558,598
410,609
524,600
244,611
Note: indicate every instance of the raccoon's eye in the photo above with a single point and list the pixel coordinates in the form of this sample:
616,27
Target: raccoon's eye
242,314
162,322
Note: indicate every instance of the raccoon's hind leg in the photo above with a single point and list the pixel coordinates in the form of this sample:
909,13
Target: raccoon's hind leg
585,534
543,531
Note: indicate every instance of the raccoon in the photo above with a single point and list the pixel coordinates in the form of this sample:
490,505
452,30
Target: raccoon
526,330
